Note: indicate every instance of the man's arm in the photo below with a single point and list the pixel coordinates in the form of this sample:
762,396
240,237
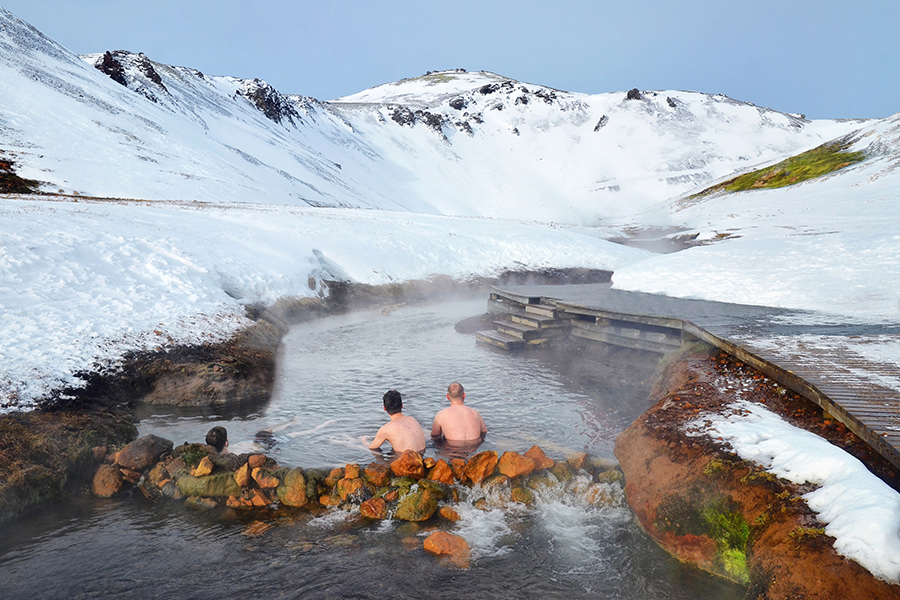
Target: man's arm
436,426
380,438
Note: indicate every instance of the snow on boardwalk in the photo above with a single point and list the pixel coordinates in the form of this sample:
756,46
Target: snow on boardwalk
849,369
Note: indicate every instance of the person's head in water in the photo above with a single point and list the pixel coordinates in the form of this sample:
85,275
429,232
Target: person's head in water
455,391
217,437
393,403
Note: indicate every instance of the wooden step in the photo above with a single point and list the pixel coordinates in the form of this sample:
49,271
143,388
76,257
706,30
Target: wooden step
527,332
535,320
499,340
545,310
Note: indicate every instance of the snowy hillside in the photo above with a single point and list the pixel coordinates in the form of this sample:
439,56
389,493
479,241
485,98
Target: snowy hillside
243,194
119,125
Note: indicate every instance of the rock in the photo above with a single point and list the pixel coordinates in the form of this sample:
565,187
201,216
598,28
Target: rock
143,452
204,468
293,489
429,462
522,495
577,460
419,505
157,474
542,480
449,513
441,543
256,460
347,488
562,471
611,476
377,474
374,508
218,484
458,466
513,464
242,475
540,459
480,466
107,481
441,472
130,475
634,94
200,503
410,464
259,498
705,506
601,494
256,529
334,476
351,471
175,465
264,478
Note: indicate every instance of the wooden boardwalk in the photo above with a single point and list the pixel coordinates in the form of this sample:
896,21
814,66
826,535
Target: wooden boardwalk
849,369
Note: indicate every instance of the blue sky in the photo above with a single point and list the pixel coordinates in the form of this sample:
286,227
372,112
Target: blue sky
823,58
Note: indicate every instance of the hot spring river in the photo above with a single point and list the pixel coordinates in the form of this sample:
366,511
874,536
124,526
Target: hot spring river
332,375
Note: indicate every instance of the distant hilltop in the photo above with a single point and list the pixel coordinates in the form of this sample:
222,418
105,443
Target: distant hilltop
118,124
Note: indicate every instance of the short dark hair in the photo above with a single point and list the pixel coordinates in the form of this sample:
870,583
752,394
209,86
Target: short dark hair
393,403
455,390
216,437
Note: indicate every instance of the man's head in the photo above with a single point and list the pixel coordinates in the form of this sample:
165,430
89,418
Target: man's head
393,403
217,437
455,391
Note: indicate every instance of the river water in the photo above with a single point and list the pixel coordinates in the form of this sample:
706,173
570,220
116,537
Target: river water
332,374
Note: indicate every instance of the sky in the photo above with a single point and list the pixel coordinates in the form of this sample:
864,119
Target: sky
814,57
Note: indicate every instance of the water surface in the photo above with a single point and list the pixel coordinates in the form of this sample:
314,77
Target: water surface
332,375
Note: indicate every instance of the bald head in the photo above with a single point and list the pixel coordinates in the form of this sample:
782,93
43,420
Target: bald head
455,391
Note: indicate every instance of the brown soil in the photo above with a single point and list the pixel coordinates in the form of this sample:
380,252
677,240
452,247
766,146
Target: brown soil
707,507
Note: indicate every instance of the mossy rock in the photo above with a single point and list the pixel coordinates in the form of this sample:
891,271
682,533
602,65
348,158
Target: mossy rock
214,485
419,505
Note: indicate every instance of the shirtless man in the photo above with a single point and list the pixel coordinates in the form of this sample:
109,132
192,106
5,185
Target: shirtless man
458,422
403,432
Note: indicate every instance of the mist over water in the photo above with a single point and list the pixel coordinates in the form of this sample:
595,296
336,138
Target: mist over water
334,371
331,377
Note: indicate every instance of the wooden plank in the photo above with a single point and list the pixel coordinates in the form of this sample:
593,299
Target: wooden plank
539,321
527,332
541,309
608,338
509,295
499,340
659,321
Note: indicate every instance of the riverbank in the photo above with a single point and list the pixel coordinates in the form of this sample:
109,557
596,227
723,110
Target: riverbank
47,454
708,507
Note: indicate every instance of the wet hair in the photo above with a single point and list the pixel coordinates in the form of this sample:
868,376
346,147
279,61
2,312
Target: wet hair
455,390
393,403
216,437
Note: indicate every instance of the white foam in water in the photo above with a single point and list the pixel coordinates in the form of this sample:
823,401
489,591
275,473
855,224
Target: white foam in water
486,531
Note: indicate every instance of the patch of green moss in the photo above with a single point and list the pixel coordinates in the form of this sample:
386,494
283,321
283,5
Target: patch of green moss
807,536
720,520
727,526
759,476
811,164
715,468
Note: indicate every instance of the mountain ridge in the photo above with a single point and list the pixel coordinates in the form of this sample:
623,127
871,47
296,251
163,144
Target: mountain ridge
447,142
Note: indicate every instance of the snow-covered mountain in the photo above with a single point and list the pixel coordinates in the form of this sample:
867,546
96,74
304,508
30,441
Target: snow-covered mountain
118,124
244,194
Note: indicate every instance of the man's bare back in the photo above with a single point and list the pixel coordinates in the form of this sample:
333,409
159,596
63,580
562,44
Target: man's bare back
458,422
403,433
